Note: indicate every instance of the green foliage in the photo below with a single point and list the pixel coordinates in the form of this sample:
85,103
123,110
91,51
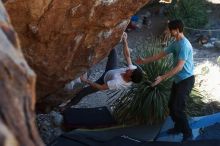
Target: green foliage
191,12
143,103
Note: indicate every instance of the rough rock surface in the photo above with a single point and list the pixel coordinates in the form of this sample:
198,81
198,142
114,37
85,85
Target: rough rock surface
17,91
63,39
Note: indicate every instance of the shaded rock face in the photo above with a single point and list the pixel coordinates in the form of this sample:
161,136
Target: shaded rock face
17,91
62,39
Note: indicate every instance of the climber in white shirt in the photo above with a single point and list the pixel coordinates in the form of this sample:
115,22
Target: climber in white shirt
113,77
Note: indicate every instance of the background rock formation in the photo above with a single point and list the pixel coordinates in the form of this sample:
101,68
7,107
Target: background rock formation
17,91
63,39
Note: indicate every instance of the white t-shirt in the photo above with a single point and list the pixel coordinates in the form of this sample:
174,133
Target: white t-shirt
114,79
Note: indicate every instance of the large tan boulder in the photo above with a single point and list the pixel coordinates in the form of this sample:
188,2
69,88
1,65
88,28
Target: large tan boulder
17,91
62,39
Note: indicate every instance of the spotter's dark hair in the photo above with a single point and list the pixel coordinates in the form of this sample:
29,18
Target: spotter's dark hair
176,24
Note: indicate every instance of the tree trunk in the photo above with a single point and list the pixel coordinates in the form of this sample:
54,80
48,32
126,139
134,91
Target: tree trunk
17,91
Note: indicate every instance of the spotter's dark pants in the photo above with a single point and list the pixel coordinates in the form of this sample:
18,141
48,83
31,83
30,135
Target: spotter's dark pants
177,104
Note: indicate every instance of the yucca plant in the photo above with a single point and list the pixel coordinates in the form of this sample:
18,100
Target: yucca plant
143,103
